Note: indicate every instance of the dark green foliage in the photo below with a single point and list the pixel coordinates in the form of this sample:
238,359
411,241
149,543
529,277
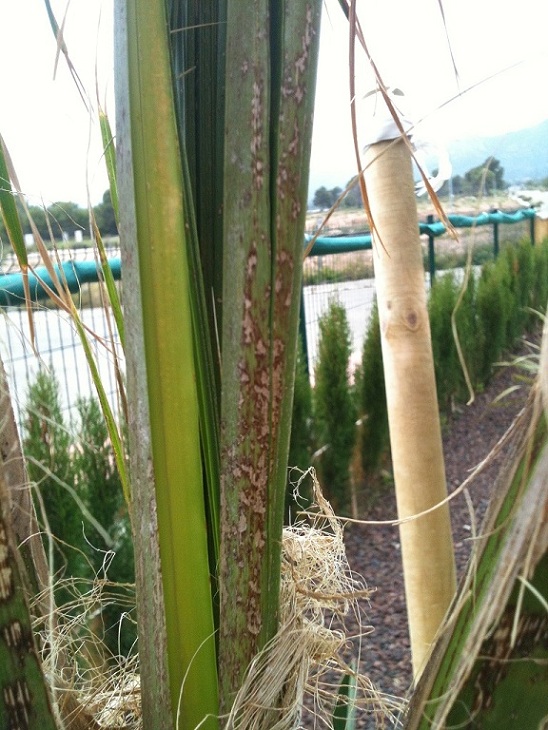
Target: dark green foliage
335,407
470,338
493,314
524,283
540,276
99,483
508,269
301,444
443,297
46,444
372,398
96,473
450,378
324,198
81,458
485,178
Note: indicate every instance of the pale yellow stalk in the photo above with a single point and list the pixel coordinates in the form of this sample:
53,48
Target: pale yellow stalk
415,435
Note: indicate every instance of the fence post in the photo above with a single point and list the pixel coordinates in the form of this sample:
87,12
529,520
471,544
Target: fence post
495,235
431,252
532,229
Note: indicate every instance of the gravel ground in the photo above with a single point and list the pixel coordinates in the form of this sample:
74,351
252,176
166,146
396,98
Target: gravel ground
374,551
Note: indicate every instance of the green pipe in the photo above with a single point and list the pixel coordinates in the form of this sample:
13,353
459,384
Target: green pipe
74,273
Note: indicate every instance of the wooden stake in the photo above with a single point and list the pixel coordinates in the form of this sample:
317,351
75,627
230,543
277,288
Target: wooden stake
415,435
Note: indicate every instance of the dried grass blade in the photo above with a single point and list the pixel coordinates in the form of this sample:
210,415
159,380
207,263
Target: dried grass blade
113,430
62,48
355,30
455,69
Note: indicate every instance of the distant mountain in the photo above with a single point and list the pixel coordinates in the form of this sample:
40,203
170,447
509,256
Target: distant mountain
523,154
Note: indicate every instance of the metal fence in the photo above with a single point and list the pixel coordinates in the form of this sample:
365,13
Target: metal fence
341,267
57,345
345,274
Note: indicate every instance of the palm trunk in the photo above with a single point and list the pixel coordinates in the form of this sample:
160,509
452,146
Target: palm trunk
415,435
25,700
23,516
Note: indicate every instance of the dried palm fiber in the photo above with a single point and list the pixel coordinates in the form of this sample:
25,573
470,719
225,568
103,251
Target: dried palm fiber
93,690
317,592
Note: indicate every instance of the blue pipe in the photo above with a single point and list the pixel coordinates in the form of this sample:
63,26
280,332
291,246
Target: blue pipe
75,273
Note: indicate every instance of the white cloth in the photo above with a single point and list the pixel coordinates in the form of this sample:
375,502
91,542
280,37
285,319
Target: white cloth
381,127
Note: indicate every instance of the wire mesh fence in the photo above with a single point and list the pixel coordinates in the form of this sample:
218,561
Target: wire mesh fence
357,295
346,277
57,345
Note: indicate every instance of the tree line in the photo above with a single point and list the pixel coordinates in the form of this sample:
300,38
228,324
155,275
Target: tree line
486,178
62,219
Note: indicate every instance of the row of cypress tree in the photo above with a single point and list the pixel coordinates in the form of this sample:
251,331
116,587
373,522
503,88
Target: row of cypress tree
344,417
70,462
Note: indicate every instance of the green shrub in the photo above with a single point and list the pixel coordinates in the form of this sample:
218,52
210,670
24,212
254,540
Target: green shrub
493,304
46,444
74,467
508,264
334,404
492,315
443,297
374,440
301,444
450,376
99,483
470,338
525,283
540,279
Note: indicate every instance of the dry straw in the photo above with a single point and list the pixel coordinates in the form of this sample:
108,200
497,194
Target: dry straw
305,662
301,667
92,689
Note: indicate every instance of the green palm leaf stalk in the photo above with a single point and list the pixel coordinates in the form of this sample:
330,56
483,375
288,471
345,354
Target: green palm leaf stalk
176,618
488,668
269,96
167,183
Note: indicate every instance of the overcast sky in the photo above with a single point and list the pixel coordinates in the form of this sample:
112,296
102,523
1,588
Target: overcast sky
53,143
